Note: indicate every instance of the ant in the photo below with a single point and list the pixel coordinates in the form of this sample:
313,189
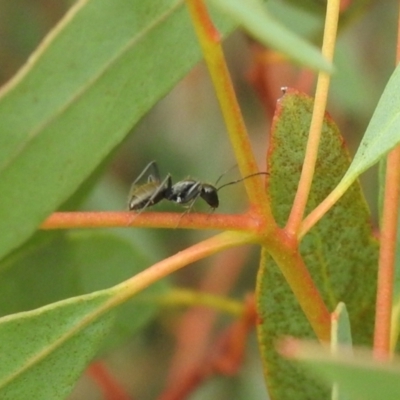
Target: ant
184,192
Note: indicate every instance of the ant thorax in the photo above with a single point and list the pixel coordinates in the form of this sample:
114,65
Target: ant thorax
184,191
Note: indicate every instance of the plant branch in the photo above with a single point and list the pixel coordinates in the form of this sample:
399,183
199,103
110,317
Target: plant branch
322,208
293,268
225,356
110,219
195,298
387,254
109,386
321,95
219,279
210,42
142,280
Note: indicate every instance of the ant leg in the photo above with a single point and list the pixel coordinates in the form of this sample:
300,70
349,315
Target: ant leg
164,185
146,168
167,181
184,192
155,177
189,209
193,194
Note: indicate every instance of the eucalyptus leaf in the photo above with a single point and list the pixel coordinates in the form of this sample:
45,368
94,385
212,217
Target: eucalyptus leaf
314,6
43,352
93,77
341,329
337,251
56,266
254,17
382,134
341,341
360,376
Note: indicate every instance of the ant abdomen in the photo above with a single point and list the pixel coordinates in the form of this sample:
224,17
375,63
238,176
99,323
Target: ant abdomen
150,193
146,195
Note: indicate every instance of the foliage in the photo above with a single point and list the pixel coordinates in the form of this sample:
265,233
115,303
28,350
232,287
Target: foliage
68,296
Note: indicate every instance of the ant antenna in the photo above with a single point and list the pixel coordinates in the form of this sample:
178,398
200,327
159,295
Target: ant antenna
242,179
224,173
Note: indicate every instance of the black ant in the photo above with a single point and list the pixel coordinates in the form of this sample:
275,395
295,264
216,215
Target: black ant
183,192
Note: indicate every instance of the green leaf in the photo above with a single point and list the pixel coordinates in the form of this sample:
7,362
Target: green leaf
340,341
253,16
340,251
382,134
93,77
341,329
44,351
360,377
315,6
298,19
54,267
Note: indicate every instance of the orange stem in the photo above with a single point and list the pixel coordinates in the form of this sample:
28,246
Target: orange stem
387,255
210,42
110,219
163,268
300,281
321,95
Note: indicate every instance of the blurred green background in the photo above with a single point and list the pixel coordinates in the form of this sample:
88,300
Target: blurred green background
186,135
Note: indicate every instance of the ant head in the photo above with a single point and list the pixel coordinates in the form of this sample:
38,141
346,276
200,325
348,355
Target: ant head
209,195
